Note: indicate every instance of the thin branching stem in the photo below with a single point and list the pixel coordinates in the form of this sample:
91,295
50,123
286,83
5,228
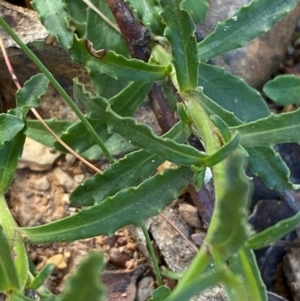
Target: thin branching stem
37,115
59,88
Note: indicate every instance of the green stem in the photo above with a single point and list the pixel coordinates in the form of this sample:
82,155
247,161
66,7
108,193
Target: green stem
153,256
59,88
213,142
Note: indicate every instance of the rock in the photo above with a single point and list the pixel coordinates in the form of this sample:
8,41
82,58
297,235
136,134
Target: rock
190,215
66,181
176,252
58,260
42,184
144,288
36,156
118,258
257,61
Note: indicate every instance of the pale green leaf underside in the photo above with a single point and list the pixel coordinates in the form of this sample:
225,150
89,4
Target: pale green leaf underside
284,90
232,94
231,205
250,21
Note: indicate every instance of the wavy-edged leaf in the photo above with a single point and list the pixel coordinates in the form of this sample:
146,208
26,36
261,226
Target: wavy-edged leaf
160,293
9,158
29,95
149,12
127,172
232,93
130,206
245,268
128,100
37,131
8,274
84,284
225,151
78,12
284,89
115,65
42,276
180,31
197,9
100,33
17,265
273,233
10,126
259,157
54,16
141,135
271,130
195,287
264,161
78,138
231,204
250,21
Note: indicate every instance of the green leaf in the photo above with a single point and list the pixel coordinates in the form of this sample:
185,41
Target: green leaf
270,235
130,206
79,139
8,274
180,32
259,157
246,270
271,130
10,126
231,204
160,293
149,12
78,12
224,151
250,21
54,16
84,284
115,65
19,262
197,9
264,161
196,286
142,136
130,98
9,158
232,93
29,95
127,172
42,276
37,131
100,33
284,90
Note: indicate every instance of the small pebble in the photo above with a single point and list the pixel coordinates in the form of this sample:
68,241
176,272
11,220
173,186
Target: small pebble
117,258
42,184
58,260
